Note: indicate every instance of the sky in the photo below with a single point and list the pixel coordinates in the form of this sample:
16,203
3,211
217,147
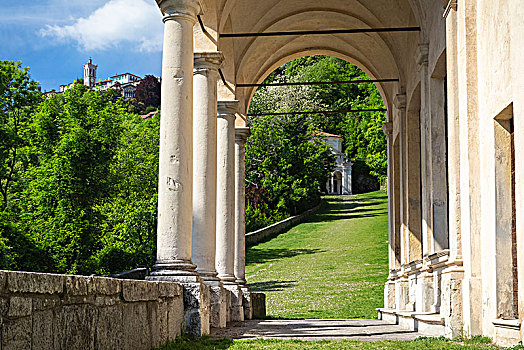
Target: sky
56,37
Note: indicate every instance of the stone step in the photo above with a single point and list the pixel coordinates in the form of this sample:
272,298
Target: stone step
429,324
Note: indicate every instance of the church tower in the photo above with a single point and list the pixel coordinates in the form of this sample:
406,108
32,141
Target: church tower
90,73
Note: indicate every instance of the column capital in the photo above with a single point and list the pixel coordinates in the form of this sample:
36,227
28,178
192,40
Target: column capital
422,54
399,101
241,135
387,129
227,108
180,9
208,60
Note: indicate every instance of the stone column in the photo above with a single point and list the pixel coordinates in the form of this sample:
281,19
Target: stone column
399,102
241,134
425,147
455,239
349,178
452,283
344,180
205,76
205,164
176,153
175,197
225,240
470,169
391,289
393,263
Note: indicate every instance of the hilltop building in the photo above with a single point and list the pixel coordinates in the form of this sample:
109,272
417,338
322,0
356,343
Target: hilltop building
126,82
90,73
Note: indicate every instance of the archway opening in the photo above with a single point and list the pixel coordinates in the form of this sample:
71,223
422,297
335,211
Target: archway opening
282,181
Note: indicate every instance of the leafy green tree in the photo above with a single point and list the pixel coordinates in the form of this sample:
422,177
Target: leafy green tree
131,212
362,132
19,95
148,92
74,139
285,168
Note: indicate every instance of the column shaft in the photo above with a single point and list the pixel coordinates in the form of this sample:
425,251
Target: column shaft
394,262
225,239
205,163
425,146
176,163
241,134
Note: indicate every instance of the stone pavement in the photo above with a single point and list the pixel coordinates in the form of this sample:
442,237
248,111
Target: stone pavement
316,330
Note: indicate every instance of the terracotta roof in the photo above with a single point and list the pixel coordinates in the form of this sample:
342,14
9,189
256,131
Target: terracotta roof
119,75
325,134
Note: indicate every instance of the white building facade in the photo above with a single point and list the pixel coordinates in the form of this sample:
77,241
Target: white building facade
126,82
340,179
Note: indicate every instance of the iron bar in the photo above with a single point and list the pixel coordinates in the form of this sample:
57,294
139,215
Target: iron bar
322,32
222,77
320,83
204,30
319,112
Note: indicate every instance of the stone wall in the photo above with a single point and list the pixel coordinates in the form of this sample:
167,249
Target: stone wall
47,311
274,230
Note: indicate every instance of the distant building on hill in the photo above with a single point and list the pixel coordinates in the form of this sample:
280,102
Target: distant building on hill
90,73
340,179
126,83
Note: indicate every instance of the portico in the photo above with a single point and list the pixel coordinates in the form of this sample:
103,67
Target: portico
450,132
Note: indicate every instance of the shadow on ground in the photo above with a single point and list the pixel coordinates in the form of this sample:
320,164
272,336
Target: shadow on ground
271,286
317,330
261,255
339,208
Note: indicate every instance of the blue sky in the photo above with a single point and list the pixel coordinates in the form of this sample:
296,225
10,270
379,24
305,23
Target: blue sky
56,37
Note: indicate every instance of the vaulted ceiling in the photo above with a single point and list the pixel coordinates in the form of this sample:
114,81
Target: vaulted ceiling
251,59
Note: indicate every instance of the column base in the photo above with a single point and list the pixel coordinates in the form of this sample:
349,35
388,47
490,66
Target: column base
227,279
209,277
196,301
246,302
176,271
219,306
197,308
236,310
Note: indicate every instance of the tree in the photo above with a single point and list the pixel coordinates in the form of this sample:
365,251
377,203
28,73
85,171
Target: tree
131,211
85,196
363,137
148,91
18,97
74,137
285,168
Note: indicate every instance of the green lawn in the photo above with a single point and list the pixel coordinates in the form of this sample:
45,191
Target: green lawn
274,344
333,266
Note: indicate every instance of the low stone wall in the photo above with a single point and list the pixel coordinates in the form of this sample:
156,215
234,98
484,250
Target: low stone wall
47,311
274,230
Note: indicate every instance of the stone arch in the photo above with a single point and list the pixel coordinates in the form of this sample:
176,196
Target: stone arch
248,95
380,55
